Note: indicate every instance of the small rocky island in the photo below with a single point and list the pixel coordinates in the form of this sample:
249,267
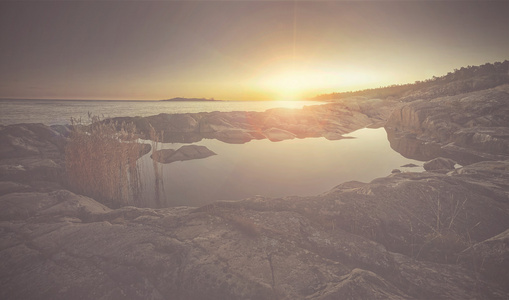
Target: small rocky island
180,99
438,234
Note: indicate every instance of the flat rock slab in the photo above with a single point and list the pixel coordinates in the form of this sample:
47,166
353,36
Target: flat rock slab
188,152
409,166
276,134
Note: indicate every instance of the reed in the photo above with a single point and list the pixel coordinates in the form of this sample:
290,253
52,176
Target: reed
100,161
158,171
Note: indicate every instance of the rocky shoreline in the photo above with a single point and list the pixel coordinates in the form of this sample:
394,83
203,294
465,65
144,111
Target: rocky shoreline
329,120
469,127
439,234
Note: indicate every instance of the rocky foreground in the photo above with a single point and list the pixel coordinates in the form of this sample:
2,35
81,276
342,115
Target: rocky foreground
440,234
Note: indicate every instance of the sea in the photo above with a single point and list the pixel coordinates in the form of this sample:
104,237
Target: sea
60,112
302,167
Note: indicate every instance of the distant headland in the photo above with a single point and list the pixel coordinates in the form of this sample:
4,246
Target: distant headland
190,99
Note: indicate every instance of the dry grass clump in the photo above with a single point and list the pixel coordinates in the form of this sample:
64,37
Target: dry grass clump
443,247
101,159
445,240
244,225
234,217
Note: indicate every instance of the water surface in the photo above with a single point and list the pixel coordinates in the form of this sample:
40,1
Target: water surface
52,112
302,167
275,169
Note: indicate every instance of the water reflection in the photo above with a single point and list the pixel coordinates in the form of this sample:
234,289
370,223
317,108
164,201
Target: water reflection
412,148
260,167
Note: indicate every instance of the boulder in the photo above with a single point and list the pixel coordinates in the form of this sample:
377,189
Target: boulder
170,122
409,165
22,140
276,134
233,136
64,130
188,152
439,163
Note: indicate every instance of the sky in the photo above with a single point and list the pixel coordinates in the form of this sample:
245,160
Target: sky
238,50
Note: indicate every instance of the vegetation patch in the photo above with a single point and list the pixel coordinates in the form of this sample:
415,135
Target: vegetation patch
100,161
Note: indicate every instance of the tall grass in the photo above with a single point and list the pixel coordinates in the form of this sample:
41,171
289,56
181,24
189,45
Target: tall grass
158,171
100,161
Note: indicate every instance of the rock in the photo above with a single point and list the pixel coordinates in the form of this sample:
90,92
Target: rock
163,155
216,122
439,163
173,122
405,236
396,171
15,206
23,205
362,284
188,152
64,130
31,152
490,258
232,136
32,168
275,134
23,140
475,123
410,147
329,120
493,140
13,171
360,240
409,166
72,205
7,187
333,136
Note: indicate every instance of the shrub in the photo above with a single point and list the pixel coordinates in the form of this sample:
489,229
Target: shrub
245,225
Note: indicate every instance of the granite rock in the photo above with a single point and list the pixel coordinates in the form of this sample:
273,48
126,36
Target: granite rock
187,152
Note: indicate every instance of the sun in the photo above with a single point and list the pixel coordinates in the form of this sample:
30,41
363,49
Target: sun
298,79
295,84
288,85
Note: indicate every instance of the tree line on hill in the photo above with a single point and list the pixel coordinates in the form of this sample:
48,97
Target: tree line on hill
463,80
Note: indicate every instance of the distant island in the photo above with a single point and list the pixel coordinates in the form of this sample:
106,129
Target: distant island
190,99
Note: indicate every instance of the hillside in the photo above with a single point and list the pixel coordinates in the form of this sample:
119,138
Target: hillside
463,80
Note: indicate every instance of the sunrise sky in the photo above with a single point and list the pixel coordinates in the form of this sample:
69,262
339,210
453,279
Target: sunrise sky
238,50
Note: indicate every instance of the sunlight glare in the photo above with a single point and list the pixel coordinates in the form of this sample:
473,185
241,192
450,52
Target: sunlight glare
299,84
